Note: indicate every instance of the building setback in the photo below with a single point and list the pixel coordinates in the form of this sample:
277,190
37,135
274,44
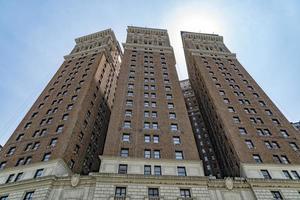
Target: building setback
252,138
67,124
201,134
149,132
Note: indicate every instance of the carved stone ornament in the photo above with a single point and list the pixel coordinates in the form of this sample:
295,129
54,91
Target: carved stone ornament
75,179
229,183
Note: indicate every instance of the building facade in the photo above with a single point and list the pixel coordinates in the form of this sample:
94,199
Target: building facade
149,132
201,133
68,122
252,138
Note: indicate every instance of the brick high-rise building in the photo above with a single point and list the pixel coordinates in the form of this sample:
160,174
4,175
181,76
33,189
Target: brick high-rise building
201,133
149,132
252,137
67,124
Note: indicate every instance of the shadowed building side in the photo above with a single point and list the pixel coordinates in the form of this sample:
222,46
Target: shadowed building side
65,129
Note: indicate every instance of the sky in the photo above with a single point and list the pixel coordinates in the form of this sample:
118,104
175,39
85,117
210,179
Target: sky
35,35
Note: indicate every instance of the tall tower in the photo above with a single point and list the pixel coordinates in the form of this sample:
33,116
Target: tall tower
149,131
251,136
201,133
65,129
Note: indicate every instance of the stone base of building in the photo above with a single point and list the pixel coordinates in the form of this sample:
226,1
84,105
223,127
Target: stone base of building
98,186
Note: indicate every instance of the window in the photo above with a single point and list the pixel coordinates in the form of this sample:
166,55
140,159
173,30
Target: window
249,144
28,160
130,93
122,169
154,114
53,142
147,153
268,144
36,145
174,127
20,161
236,120
147,138
153,192
226,100
265,174
185,193
178,155
69,107
170,105
11,151
275,121
257,158
269,112
231,109
276,195
155,139
261,103
126,137
120,192
176,140
18,177
60,129
276,159
294,146
20,136
275,145
153,104
46,156
127,124
156,154
284,133
172,116
28,195
10,178
27,126
155,125
4,197
129,103
38,173
157,170
65,117
284,159
2,165
146,125
147,169
181,171
286,174
242,131
295,174
124,152
146,113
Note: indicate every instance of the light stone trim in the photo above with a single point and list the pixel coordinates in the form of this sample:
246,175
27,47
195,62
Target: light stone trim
97,186
275,170
136,165
56,167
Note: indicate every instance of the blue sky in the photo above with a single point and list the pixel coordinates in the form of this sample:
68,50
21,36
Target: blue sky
35,35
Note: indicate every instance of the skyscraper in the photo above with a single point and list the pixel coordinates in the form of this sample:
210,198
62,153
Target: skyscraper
201,133
149,132
251,136
67,124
